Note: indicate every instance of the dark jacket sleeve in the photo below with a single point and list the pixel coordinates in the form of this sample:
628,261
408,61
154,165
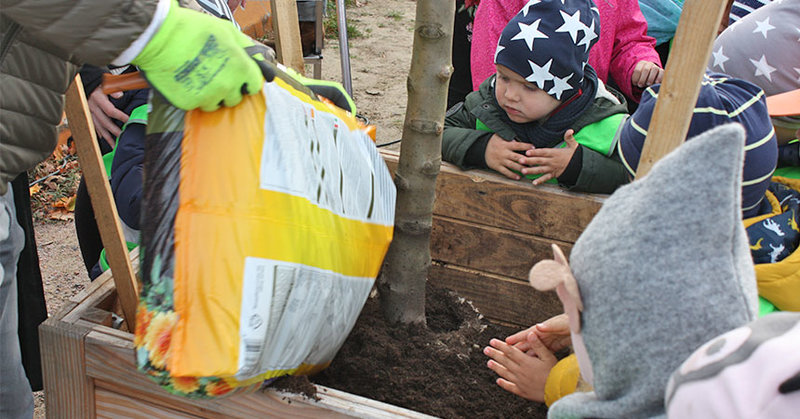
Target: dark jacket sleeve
83,31
91,77
126,168
459,135
600,174
126,174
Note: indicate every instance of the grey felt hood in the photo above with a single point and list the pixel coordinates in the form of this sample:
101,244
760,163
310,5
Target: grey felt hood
663,267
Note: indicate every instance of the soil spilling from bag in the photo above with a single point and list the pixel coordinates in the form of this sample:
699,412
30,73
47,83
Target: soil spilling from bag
439,370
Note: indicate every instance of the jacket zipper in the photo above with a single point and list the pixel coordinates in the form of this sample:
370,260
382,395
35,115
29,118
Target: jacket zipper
8,39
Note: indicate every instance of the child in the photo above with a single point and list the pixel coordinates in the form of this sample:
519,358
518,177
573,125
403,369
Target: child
660,270
624,55
543,91
721,100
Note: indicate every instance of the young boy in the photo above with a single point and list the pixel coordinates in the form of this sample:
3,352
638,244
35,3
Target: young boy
544,91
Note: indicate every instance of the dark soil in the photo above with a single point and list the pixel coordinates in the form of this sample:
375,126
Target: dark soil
439,370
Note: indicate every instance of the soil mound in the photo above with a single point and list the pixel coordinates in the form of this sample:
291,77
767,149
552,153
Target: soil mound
439,370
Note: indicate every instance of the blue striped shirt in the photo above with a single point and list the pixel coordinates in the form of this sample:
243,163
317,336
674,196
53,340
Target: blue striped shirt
722,100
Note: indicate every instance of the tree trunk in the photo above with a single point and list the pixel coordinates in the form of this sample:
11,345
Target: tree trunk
405,269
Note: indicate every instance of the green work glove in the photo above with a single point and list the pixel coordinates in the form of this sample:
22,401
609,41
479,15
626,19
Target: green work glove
198,61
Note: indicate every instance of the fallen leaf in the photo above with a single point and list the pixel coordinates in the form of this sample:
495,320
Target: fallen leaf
67,203
71,203
35,188
58,154
62,215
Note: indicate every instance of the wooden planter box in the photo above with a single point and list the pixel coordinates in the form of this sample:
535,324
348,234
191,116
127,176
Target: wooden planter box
488,231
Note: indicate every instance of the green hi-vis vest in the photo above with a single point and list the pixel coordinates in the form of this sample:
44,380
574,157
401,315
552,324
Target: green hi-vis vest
598,136
137,116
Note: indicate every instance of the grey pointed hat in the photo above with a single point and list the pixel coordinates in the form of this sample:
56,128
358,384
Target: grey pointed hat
663,267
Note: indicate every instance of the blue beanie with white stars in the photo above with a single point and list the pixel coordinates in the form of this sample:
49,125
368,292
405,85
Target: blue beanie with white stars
548,44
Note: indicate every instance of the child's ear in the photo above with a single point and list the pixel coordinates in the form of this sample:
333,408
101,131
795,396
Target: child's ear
549,274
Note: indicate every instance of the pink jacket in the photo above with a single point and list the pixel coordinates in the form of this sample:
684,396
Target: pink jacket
623,40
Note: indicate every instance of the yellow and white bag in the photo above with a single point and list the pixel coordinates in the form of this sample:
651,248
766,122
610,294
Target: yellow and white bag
264,227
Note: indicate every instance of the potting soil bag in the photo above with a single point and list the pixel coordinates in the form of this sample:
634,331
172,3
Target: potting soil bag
263,229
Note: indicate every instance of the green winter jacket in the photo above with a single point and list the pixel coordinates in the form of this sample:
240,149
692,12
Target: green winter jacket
599,173
41,43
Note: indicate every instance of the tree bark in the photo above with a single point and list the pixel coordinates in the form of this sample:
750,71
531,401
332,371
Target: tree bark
402,280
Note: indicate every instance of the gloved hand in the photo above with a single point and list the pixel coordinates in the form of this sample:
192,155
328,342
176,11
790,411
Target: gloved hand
198,61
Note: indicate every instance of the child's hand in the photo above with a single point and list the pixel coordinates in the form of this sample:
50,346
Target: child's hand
553,333
646,73
549,162
103,114
502,156
519,373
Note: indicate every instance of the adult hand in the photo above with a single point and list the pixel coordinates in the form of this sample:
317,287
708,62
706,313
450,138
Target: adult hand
549,162
521,374
198,61
103,113
645,74
502,156
553,333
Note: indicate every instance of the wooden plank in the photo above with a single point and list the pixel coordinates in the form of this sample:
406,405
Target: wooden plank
105,210
103,292
93,295
110,362
487,198
500,299
488,249
694,39
287,34
68,391
112,405
97,316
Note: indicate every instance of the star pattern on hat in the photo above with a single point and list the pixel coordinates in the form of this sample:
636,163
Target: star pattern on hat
527,7
572,24
556,66
763,68
588,36
798,73
763,26
719,59
541,74
529,33
560,84
497,51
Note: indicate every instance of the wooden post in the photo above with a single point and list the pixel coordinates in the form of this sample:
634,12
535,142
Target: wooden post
105,210
69,393
287,34
678,94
